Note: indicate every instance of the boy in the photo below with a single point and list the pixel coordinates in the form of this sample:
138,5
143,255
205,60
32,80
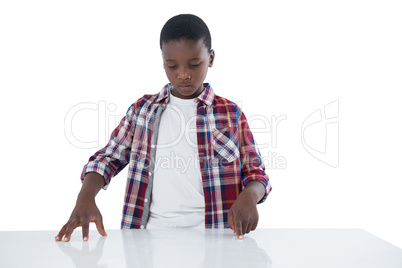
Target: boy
224,177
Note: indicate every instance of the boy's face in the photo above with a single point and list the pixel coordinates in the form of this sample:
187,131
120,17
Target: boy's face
186,65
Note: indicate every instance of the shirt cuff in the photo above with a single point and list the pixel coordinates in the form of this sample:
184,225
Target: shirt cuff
98,167
262,180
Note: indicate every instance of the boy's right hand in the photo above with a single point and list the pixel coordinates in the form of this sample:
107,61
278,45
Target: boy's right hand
85,211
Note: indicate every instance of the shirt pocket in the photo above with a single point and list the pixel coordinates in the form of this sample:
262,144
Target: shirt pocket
225,144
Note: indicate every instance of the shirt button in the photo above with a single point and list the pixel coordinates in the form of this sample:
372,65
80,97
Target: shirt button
150,173
153,146
146,200
142,227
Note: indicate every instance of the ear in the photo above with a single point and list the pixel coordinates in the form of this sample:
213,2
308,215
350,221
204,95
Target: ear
211,58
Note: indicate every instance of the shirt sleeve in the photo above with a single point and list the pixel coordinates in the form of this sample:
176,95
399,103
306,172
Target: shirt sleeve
111,159
252,166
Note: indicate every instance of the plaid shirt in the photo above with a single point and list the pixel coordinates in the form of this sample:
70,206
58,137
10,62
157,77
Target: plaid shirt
228,156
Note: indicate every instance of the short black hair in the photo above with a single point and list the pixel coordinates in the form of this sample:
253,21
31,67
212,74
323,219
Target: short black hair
186,26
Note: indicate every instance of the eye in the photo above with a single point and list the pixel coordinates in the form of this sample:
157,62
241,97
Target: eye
172,66
194,65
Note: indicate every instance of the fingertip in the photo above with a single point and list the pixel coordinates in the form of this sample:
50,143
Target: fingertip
102,233
85,239
240,237
239,231
101,230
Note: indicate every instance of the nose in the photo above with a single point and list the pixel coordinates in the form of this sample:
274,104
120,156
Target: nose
183,74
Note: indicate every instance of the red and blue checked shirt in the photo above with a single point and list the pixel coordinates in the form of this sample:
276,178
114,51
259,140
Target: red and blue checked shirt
228,156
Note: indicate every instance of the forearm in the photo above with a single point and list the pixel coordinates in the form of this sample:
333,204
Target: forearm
91,185
253,169
255,190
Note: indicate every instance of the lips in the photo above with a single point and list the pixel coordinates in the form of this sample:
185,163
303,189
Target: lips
184,86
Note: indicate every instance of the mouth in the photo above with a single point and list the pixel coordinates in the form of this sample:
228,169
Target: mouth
184,86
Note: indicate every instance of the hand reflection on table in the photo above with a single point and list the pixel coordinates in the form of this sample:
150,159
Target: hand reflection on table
84,257
194,247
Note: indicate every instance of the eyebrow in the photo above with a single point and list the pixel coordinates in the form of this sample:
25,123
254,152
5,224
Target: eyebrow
170,60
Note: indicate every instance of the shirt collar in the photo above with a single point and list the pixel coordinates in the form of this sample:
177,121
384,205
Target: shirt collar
207,96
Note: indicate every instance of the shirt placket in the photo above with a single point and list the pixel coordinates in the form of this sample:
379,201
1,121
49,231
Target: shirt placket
153,142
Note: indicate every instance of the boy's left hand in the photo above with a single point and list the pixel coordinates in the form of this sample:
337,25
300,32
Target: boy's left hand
243,215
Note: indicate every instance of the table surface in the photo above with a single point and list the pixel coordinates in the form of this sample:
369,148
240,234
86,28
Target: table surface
200,248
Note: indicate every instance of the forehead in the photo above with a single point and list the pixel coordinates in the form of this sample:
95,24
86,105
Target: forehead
183,48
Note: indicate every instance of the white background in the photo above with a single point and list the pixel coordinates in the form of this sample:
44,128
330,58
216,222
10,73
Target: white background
282,58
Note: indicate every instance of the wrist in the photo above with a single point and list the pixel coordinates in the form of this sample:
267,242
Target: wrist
249,195
254,191
85,196
91,185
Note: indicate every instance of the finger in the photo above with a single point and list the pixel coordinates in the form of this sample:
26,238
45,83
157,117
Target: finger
238,227
230,221
69,230
85,231
246,228
99,226
254,226
61,233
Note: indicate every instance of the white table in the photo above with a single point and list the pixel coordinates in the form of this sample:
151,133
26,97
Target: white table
294,248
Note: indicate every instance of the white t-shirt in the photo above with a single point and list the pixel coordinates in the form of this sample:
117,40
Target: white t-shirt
177,193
